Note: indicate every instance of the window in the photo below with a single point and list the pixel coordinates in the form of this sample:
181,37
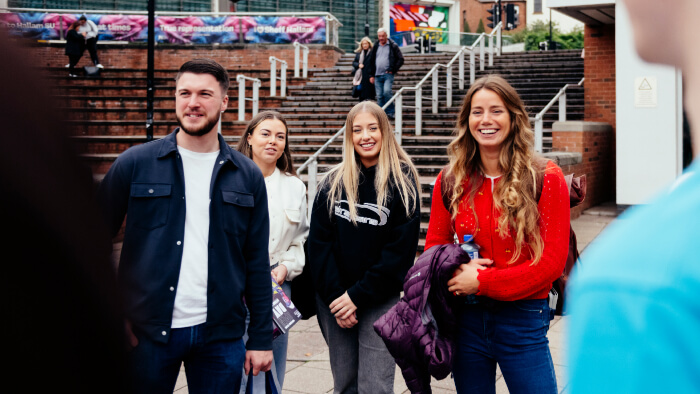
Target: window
537,7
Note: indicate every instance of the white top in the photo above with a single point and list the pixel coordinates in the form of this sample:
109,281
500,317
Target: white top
289,226
191,296
90,28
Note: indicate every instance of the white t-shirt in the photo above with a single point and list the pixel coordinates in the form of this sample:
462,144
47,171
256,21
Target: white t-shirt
191,297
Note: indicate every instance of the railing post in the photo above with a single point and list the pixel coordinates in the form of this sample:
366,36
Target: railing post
313,170
491,50
461,69
482,44
398,122
419,110
273,76
472,67
241,98
562,107
448,83
434,99
256,96
306,62
422,50
283,84
499,41
296,59
538,134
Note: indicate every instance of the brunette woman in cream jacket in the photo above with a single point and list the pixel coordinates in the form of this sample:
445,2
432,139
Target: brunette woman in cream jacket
265,141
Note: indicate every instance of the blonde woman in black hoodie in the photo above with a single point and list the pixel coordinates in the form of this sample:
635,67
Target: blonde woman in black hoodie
362,241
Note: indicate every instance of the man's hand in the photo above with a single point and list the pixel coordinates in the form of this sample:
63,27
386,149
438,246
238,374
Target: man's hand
362,66
371,79
280,273
257,361
343,307
464,281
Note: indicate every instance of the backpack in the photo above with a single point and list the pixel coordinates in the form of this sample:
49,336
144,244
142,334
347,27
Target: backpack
577,193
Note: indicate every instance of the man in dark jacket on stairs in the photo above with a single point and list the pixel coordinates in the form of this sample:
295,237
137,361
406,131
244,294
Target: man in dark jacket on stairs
385,61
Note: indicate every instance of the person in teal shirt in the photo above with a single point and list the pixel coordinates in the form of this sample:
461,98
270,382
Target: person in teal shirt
634,302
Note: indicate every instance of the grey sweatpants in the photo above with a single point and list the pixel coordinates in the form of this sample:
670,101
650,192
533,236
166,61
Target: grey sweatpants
360,362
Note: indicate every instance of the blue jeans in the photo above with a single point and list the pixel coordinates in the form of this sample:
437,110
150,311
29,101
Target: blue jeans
382,86
510,333
210,367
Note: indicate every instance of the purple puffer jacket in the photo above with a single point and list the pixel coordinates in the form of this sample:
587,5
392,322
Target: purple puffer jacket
420,330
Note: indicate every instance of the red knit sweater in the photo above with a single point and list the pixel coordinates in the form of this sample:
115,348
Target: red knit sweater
521,279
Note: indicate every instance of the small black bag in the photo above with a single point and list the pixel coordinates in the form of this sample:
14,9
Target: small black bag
356,91
303,292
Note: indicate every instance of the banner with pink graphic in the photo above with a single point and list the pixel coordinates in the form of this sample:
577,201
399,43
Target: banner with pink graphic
171,29
419,19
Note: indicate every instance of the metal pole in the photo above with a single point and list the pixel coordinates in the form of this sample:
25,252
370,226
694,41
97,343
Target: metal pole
273,76
241,98
256,96
306,62
482,44
150,84
313,171
448,82
491,50
499,40
296,60
241,37
398,112
366,18
538,135
562,107
283,85
434,99
461,70
419,110
551,38
472,67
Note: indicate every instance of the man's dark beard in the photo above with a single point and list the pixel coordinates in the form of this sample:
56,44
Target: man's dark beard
209,126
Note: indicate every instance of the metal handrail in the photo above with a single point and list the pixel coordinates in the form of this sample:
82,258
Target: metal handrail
539,118
282,78
312,162
241,95
305,61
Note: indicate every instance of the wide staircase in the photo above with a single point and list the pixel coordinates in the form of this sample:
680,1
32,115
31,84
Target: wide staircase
108,114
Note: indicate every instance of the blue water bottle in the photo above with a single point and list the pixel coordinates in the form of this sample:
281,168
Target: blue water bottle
472,250
470,247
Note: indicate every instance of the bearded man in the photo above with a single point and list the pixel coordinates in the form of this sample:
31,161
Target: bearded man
195,243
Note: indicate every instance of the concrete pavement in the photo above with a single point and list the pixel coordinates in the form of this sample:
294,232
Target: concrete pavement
308,367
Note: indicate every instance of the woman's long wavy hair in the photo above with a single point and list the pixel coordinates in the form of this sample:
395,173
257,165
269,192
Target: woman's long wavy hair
394,168
284,163
515,195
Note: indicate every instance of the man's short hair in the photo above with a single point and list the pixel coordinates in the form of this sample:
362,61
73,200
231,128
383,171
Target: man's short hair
382,30
206,66
82,18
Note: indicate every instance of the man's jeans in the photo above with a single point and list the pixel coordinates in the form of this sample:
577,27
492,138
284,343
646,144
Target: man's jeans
510,333
213,367
382,86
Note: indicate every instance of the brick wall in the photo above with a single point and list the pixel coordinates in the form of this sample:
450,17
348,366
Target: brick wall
599,71
252,56
594,142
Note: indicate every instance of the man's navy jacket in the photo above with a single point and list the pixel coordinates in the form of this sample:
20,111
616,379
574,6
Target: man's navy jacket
146,183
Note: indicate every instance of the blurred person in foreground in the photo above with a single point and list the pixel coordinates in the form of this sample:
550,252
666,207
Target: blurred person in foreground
635,311
61,309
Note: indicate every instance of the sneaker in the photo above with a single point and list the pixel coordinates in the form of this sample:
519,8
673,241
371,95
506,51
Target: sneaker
67,65
98,65
72,75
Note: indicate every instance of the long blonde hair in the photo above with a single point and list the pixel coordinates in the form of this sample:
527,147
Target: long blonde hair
394,168
515,195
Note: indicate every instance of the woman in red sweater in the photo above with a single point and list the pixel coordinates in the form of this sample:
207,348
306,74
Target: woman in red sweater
494,195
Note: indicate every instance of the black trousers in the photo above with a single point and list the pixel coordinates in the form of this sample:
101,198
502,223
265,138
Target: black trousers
91,46
73,60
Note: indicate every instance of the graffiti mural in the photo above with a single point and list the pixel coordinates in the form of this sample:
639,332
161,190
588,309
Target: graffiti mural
409,21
